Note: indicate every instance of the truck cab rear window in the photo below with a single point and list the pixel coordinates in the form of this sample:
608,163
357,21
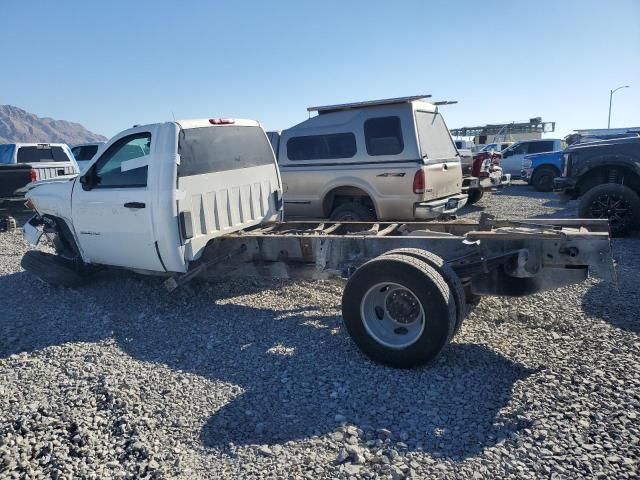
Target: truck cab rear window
322,147
216,149
41,154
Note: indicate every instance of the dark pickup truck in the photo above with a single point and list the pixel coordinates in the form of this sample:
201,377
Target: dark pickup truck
23,163
605,175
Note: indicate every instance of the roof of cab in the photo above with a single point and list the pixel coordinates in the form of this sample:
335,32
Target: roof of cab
36,144
205,122
332,116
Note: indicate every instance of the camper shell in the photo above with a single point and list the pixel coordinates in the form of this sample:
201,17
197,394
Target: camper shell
390,159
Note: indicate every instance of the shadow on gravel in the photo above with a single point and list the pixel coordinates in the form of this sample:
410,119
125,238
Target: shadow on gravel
619,307
467,209
35,316
300,373
447,410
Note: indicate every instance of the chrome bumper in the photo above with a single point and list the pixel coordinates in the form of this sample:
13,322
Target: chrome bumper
440,207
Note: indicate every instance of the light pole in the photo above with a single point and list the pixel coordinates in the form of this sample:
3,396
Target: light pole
611,99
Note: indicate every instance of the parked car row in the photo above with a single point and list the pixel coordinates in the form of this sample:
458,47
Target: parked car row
394,159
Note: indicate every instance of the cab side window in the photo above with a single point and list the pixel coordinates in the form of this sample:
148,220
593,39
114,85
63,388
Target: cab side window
383,136
108,167
521,149
540,147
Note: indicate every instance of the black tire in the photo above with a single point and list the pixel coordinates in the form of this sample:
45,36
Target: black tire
613,201
542,179
352,211
52,269
452,279
475,194
426,285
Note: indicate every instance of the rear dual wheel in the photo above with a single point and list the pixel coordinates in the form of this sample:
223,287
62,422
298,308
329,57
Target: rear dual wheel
399,310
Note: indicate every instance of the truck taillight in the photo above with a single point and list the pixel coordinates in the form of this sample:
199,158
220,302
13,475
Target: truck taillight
418,181
33,176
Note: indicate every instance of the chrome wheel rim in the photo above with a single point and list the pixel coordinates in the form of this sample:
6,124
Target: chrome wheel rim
392,315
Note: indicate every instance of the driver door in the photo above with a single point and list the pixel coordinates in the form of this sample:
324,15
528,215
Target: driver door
112,212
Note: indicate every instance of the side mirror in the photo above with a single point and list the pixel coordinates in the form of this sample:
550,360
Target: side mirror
89,179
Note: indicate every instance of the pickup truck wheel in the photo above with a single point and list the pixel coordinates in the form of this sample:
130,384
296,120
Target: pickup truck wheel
618,203
399,311
452,279
475,194
352,212
542,179
52,269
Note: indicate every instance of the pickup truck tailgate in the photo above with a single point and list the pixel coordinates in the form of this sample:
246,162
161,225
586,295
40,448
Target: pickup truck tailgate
12,178
45,171
442,179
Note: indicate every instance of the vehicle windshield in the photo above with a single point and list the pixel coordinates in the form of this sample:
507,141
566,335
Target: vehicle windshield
491,146
433,135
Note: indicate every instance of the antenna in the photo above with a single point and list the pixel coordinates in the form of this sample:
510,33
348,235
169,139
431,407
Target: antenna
174,117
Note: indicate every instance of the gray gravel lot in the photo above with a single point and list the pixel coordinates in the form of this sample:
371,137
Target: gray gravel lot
258,379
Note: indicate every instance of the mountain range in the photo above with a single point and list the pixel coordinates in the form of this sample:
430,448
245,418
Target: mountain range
17,125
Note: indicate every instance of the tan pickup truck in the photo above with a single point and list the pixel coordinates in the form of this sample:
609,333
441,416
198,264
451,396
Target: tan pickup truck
390,159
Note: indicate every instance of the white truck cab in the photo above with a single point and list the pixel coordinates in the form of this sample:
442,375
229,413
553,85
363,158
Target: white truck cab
156,194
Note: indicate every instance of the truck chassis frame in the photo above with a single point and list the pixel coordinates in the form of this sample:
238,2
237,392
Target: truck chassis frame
491,257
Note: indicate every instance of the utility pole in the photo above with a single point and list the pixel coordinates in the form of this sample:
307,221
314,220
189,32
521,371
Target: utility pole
610,100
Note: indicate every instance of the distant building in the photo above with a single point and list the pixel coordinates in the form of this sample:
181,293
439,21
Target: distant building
506,132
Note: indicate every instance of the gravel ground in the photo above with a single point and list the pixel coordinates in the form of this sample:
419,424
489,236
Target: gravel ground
259,380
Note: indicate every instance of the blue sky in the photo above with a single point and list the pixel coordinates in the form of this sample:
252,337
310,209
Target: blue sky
109,65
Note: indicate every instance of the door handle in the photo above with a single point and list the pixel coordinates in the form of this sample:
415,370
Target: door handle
134,205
